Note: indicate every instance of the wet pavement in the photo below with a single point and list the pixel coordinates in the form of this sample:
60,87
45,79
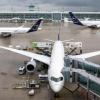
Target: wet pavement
8,61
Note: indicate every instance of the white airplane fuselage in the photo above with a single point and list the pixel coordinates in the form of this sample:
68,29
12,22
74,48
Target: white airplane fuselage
55,77
89,23
13,29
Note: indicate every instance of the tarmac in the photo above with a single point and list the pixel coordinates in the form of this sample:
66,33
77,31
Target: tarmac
8,61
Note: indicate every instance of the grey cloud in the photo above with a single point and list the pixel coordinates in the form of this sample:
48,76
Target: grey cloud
68,4
54,2
73,2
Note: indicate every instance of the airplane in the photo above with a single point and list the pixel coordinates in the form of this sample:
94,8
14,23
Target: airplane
8,31
55,62
87,23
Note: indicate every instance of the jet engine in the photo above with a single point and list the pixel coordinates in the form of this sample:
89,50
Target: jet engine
5,34
93,26
30,66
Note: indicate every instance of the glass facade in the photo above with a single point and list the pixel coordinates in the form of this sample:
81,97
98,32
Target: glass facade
48,15
88,66
89,84
86,82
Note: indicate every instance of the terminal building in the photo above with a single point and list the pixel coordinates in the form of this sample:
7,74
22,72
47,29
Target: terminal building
31,15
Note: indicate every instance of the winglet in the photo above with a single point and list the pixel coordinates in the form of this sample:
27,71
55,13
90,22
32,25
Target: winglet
35,26
75,19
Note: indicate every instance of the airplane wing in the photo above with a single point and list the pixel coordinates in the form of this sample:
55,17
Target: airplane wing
38,57
86,55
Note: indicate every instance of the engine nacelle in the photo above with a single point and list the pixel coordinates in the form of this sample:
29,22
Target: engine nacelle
30,66
93,26
5,34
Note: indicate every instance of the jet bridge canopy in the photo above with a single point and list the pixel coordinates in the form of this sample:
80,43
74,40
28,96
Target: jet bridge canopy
87,74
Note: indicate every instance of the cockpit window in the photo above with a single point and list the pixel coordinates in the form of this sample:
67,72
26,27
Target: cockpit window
56,79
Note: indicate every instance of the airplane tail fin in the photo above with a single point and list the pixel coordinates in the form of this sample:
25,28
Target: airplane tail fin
75,19
35,26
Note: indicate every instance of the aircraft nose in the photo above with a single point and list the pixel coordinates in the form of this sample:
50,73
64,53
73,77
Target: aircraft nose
56,88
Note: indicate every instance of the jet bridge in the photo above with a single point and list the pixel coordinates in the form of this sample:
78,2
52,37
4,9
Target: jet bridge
89,67
84,73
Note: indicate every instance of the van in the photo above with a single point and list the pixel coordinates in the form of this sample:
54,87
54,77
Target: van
21,70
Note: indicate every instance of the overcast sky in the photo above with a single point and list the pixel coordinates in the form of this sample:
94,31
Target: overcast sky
72,5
